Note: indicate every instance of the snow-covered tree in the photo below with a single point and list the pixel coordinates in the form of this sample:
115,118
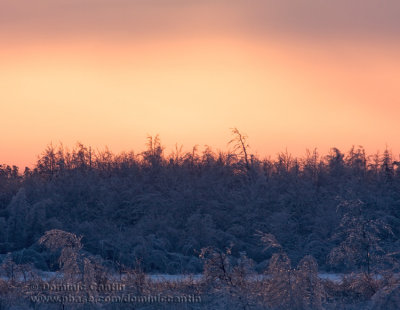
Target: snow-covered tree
360,236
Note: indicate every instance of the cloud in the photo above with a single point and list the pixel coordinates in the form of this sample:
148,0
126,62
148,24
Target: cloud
157,17
339,17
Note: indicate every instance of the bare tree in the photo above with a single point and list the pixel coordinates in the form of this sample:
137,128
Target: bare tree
241,145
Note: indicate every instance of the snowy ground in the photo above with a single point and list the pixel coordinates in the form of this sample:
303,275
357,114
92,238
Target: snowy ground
185,277
197,277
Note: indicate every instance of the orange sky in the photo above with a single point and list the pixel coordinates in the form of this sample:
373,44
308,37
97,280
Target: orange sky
104,74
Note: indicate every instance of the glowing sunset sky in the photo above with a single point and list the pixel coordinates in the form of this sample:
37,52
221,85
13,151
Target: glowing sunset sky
295,74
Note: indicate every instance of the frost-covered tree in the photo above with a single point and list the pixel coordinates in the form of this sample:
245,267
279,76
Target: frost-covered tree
70,245
280,291
309,289
228,278
360,236
291,288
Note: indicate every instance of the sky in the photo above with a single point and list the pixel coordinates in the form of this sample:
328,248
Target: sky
295,75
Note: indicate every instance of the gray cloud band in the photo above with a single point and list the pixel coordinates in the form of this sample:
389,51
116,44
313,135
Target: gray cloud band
339,17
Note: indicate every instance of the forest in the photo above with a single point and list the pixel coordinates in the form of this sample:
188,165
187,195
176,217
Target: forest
229,216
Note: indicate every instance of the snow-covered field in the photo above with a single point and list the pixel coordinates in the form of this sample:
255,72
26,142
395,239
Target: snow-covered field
197,277
334,277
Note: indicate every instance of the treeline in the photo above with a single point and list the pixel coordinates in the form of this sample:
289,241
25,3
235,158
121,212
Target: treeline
163,209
